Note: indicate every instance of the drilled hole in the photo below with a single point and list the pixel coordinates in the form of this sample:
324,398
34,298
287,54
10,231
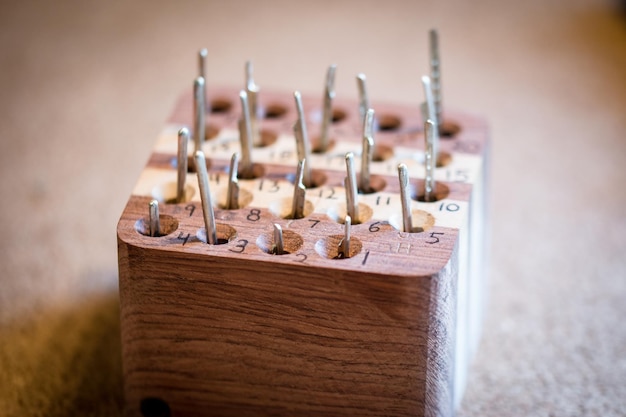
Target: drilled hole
221,105
421,221
338,213
382,153
257,171
292,242
167,225
210,131
376,184
316,146
154,407
284,208
441,192
268,138
318,178
166,193
274,111
191,164
449,129
329,247
224,232
338,115
245,198
389,122
443,159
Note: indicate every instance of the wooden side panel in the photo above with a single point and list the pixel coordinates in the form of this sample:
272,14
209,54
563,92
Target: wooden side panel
234,337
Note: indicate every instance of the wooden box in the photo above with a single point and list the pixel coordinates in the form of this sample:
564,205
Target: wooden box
234,330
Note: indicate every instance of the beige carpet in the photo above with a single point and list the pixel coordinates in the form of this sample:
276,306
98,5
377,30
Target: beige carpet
86,85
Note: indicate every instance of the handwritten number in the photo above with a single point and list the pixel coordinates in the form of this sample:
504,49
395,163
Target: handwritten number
436,239
367,254
302,257
183,237
315,222
190,208
240,247
449,207
330,196
273,189
255,215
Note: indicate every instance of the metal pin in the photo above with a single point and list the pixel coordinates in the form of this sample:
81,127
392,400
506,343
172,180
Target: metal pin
232,196
368,151
364,103
245,136
407,218
181,164
351,188
429,112
299,192
253,92
279,245
205,196
435,74
327,116
344,248
302,139
202,55
199,113
155,226
429,161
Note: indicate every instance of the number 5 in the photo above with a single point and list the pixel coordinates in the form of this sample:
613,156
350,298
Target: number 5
436,239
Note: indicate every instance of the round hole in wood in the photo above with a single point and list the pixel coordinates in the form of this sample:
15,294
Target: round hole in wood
382,153
274,111
389,122
338,115
377,184
166,193
211,131
449,129
292,242
154,407
224,232
268,137
167,225
441,191
245,198
257,171
221,105
191,163
443,159
318,179
316,145
329,247
338,213
283,208
422,221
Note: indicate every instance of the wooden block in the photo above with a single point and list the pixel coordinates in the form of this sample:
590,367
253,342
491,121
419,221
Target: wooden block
234,330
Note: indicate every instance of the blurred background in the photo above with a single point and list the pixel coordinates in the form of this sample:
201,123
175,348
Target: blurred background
85,87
